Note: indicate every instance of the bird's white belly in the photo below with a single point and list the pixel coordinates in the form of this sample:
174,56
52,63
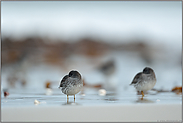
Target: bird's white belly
145,86
74,90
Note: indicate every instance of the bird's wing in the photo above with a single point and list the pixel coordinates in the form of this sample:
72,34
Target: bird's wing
137,78
63,81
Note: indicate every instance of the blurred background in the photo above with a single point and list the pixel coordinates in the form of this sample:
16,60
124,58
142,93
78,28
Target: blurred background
107,42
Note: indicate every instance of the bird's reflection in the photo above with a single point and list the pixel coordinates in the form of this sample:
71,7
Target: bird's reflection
112,96
70,103
111,93
142,100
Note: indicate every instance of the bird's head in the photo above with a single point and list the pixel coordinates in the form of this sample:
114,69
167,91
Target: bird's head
74,74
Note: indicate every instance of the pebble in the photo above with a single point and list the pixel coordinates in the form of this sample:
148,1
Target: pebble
49,91
102,92
36,102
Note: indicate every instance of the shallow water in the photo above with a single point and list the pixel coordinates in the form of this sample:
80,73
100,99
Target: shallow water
88,97
168,76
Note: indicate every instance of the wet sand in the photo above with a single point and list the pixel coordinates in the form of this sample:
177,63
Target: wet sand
99,113
90,106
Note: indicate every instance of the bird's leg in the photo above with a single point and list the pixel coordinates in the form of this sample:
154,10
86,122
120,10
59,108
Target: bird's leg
67,98
142,95
74,98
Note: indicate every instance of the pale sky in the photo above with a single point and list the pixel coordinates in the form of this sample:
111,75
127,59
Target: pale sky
107,20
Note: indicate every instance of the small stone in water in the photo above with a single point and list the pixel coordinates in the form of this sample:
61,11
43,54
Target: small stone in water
6,94
36,102
48,91
82,94
157,100
102,92
177,90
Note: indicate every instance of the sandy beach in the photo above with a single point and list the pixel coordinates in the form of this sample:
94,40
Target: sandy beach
105,113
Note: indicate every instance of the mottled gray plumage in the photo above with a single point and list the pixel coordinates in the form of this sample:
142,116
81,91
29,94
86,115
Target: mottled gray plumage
137,78
71,84
145,80
63,81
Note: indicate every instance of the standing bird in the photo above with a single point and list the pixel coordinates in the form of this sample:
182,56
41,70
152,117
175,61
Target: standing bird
144,81
107,68
71,84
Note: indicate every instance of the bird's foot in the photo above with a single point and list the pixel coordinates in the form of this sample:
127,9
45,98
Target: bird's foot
142,95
